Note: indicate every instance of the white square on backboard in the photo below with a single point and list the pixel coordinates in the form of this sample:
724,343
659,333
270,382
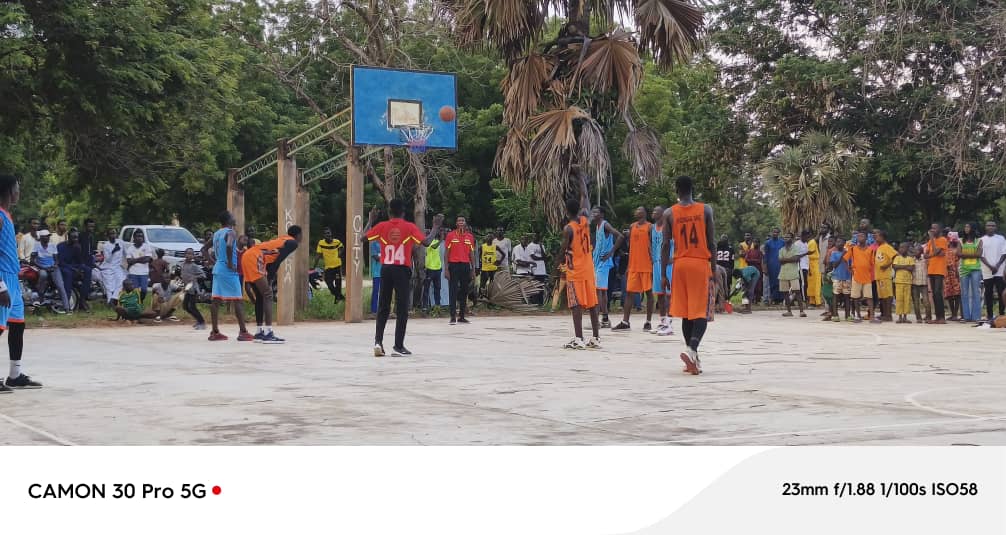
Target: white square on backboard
404,113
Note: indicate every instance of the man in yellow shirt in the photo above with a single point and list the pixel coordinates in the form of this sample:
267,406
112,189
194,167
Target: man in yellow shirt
490,256
883,260
745,246
329,251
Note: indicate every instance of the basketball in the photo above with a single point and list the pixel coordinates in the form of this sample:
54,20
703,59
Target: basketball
447,114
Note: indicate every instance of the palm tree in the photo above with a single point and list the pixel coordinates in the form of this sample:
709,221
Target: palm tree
560,94
814,180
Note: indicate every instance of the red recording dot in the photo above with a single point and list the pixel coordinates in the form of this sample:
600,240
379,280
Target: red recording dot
216,490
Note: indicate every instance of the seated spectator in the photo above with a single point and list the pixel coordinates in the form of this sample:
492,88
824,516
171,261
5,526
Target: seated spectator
164,302
46,259
74,265
129,307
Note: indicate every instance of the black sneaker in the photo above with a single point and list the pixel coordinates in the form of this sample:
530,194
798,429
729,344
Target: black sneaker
622,326
258,337
647,327
22,381
400,352
271,338
464,320
453,322
5,390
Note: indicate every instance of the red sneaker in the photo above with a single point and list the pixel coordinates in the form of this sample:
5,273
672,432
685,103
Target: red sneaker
246,336
217,336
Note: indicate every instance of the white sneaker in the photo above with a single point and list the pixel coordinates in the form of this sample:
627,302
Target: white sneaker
576,343
378,350
594,343
665,330
691,360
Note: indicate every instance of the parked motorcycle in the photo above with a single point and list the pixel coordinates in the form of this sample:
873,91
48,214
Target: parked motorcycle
51,301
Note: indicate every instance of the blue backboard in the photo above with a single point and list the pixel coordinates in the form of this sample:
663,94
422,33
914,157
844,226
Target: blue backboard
384,100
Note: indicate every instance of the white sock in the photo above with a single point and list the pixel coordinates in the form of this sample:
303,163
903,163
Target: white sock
15,369
260,331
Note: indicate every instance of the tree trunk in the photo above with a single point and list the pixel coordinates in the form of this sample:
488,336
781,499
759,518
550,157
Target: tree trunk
422,186
389,175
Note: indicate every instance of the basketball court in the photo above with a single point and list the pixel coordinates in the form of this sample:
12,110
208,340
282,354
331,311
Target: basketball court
768,381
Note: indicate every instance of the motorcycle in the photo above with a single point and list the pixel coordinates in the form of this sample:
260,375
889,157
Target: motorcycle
50,300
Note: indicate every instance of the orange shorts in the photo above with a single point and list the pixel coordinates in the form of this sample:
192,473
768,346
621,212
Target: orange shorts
639,281
252,266
690,288
581,294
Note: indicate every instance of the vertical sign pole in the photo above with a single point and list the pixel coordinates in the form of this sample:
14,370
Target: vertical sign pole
358,253
302,257
286,198
236,200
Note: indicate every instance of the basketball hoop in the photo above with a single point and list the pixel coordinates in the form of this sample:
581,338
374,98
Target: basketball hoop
415,137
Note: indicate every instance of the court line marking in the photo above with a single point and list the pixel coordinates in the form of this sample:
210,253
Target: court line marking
836,430
910,398
44,433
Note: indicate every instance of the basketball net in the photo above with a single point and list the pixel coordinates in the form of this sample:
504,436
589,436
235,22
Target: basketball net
415,137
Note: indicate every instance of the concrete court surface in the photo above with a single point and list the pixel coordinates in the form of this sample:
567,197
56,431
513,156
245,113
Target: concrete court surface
768,381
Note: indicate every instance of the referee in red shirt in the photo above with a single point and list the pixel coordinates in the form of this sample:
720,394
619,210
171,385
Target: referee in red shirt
460,264
397,238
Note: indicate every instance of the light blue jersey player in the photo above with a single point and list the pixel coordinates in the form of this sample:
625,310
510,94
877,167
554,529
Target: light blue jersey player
663,296
226,280
11,301
607,240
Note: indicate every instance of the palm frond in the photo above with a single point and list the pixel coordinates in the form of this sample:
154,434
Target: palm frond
592,151
552,152
643,149
523,86
512,159
513,293
668,29
510,25
611,66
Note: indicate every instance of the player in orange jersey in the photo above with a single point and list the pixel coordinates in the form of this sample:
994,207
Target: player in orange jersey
690,225
639,275
577,266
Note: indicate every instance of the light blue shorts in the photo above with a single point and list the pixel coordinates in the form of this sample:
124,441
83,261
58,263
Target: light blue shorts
227,287
601,277
14,313
658,284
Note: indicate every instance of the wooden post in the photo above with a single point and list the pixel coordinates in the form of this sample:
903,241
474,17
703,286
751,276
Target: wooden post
357,253
302,258
236,200
286,199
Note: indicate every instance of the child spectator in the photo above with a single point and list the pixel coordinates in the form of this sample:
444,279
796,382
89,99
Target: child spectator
952,282
192,274
883,260
159,269
904,268
130,307
862,258
841,278
920,290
